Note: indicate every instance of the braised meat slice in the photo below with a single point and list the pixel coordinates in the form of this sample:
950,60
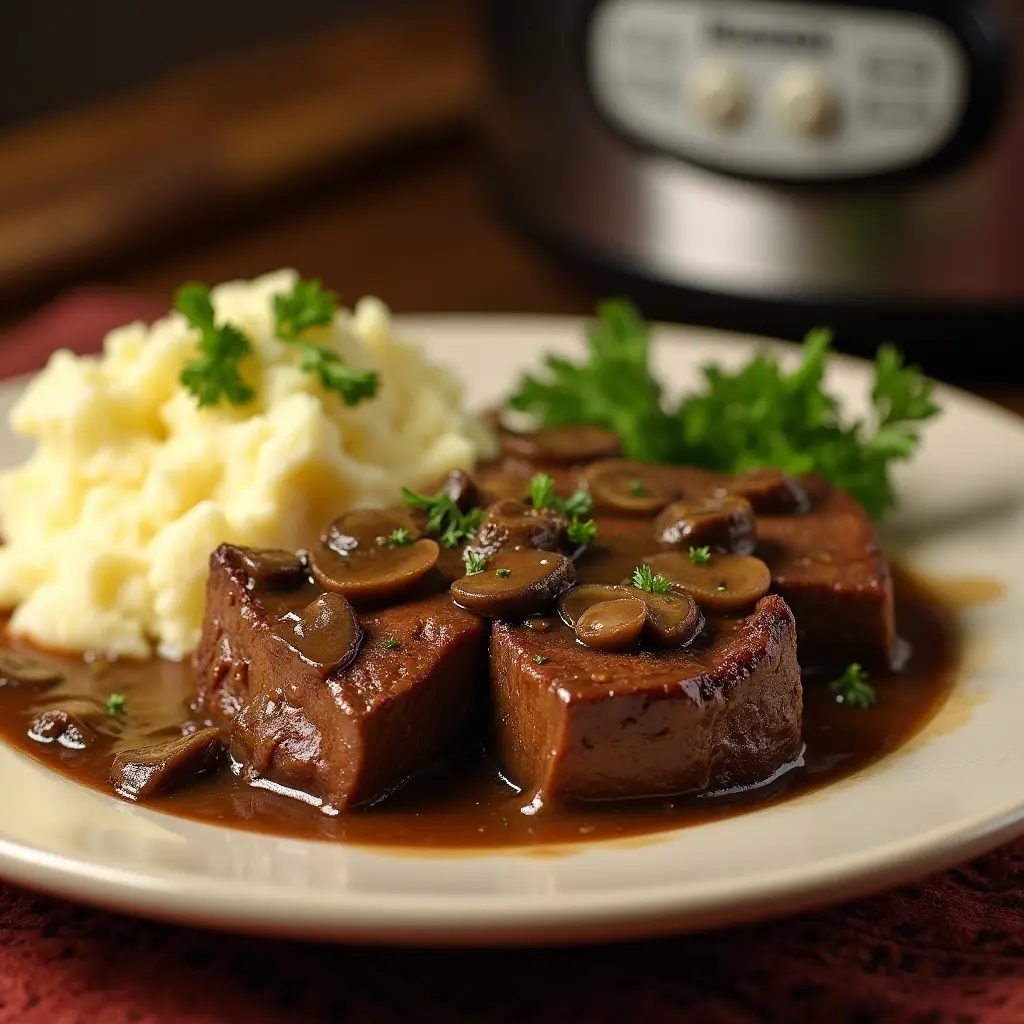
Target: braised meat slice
575,724
342,729
828,566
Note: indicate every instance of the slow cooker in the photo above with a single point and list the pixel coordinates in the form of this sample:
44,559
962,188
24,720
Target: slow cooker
771,165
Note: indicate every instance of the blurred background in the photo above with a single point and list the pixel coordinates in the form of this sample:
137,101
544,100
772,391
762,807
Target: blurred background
750,165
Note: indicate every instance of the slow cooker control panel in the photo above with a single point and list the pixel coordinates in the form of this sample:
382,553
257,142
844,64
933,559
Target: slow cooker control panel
779,90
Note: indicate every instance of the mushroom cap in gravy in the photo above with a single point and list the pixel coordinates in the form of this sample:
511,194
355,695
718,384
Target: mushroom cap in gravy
516,584
370,557
725,583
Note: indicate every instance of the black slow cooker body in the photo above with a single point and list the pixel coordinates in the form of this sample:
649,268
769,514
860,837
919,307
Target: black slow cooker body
604,154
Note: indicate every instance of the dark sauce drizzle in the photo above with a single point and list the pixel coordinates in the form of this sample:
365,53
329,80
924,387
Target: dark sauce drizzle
467,803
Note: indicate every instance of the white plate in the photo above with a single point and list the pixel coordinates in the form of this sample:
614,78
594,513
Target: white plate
952,793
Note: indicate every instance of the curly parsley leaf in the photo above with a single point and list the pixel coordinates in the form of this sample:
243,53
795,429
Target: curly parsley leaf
581,532
762,416
612,388
475,563
397,538
215,375
644,579
354,386
542,491
542,495
853,689
700,556
115,704
758,415
445,520
307,306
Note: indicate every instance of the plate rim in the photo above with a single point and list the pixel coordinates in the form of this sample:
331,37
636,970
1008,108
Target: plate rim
442,921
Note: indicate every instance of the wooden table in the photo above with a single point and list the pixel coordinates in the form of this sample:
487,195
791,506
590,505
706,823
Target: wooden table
355,160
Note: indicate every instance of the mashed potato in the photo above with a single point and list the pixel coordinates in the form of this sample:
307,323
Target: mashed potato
110,523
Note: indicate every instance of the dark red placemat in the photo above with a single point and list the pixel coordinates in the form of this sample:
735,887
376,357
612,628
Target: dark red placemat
947,951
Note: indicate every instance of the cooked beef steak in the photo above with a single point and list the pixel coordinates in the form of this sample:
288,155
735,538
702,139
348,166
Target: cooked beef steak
829,568
346,737
573,724
820,545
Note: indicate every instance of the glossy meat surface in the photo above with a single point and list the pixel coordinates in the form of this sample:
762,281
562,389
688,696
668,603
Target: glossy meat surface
348,737
574,724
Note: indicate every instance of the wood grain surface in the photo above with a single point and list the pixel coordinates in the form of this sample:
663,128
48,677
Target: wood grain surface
119,177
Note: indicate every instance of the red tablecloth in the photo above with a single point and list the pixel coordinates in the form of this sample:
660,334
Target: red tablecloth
947,951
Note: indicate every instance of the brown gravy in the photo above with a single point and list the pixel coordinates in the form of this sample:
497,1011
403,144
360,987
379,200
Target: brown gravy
467,804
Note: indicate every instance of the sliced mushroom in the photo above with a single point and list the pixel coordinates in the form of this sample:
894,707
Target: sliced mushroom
516,584
462,489
629,488
565,446
355,559
613,625
770,491
497,483
673,618
726,583
724,524
511,524
272,569
21,672
325,632
368,528
150,771
581,598
62,727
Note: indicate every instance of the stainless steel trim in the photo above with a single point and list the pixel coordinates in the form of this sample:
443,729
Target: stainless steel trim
953,239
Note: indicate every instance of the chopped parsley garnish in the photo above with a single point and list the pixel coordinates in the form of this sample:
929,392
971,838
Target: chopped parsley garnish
542,491
475,563
578,504
852,688
215,375
542,495
115,703
540,659
503,574
581,532
722,587
700,556
644,579
758,415
307,306
392,643
637,488
398,538
444,519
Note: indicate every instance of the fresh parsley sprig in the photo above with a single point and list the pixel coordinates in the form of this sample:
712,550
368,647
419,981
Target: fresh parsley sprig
215,375
307,306
758,415
613,387
645,580
475,563
853,689
397,538
445,520
700,556
579,532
